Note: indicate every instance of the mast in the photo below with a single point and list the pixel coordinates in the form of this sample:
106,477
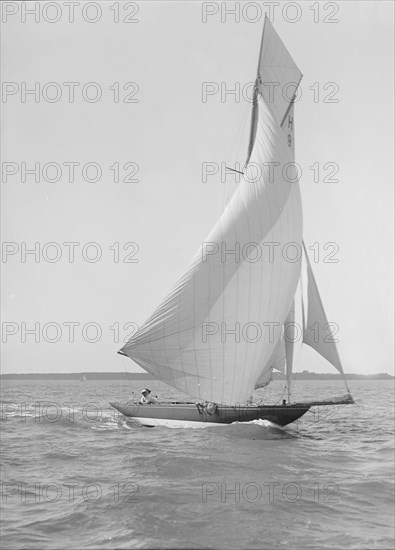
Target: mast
253,118
255,99
278,78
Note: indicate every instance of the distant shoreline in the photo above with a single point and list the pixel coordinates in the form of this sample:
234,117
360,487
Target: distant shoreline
131,376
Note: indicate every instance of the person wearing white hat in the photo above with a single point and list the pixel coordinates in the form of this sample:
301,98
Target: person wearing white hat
146,398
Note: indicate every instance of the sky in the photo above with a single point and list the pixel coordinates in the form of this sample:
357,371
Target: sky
131,102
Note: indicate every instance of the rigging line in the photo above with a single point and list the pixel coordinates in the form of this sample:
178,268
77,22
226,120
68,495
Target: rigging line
228,190
128,374
264,392
233,170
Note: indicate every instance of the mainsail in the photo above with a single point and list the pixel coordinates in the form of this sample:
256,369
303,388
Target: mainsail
210,336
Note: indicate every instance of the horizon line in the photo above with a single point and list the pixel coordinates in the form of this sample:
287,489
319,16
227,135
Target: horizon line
149,374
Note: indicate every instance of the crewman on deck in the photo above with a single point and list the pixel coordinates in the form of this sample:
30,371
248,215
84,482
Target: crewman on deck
146,398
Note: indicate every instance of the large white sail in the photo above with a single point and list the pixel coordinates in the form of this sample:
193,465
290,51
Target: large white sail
186,342
211,335
249,299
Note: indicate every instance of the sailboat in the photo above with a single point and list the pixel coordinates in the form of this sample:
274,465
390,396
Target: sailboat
237,315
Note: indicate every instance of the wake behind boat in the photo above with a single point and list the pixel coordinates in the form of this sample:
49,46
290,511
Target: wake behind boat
235,316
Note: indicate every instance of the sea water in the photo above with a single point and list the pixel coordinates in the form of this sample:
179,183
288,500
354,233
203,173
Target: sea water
76,474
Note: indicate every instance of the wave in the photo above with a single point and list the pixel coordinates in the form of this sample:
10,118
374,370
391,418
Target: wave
254,429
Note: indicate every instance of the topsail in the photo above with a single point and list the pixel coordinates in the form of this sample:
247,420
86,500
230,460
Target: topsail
277,81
